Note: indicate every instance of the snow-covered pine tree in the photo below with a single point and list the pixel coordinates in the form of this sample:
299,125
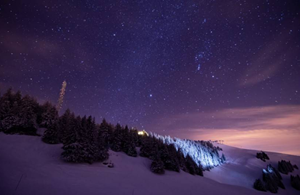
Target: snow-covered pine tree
202,152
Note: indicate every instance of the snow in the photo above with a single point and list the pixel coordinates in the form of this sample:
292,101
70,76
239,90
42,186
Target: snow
207,157
30,167
242,168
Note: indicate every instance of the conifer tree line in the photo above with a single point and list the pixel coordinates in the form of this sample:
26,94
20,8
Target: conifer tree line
24,115
203,153
166,156
83,139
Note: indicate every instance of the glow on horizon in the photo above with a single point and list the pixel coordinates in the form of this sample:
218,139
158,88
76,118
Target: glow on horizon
281,141
268,128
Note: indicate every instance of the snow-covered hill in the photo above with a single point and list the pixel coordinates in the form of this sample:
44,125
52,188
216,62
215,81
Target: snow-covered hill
29,166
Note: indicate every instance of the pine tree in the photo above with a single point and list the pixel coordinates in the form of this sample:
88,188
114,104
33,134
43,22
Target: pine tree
106,132
181,160
75,152
135,137
7,120
146,147
285,167
150,147
170,158
192,167
48,114
128,143
157,166
125,138
7,117
259,185
64,124
272,178
295,182
91,131
83,127
84,143
117,139
102,150
28,117
71,135
223,159
51,135
18,114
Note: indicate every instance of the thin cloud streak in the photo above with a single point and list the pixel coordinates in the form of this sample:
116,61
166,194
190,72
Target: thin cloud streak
267,62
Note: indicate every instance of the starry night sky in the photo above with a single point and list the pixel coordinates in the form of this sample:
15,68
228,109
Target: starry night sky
191,69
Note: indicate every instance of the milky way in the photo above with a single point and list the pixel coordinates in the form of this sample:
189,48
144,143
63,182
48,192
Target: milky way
136,62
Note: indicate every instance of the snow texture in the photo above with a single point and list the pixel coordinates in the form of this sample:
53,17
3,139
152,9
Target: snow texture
202,154
30,167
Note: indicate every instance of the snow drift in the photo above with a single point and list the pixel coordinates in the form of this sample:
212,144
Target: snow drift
30,167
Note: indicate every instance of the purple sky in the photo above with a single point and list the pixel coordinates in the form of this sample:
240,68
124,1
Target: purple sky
198,69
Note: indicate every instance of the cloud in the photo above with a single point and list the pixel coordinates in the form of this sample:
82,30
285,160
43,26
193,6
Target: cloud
275,128
270,117
17,43
268,60
25,48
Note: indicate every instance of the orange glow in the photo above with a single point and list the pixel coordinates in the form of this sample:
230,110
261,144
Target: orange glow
141,133
270,128
282,141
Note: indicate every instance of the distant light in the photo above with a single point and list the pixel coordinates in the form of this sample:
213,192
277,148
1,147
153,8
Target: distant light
150,95
140,133
143,132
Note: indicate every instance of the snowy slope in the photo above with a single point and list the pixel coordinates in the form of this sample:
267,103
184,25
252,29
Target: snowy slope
242,168
29,166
